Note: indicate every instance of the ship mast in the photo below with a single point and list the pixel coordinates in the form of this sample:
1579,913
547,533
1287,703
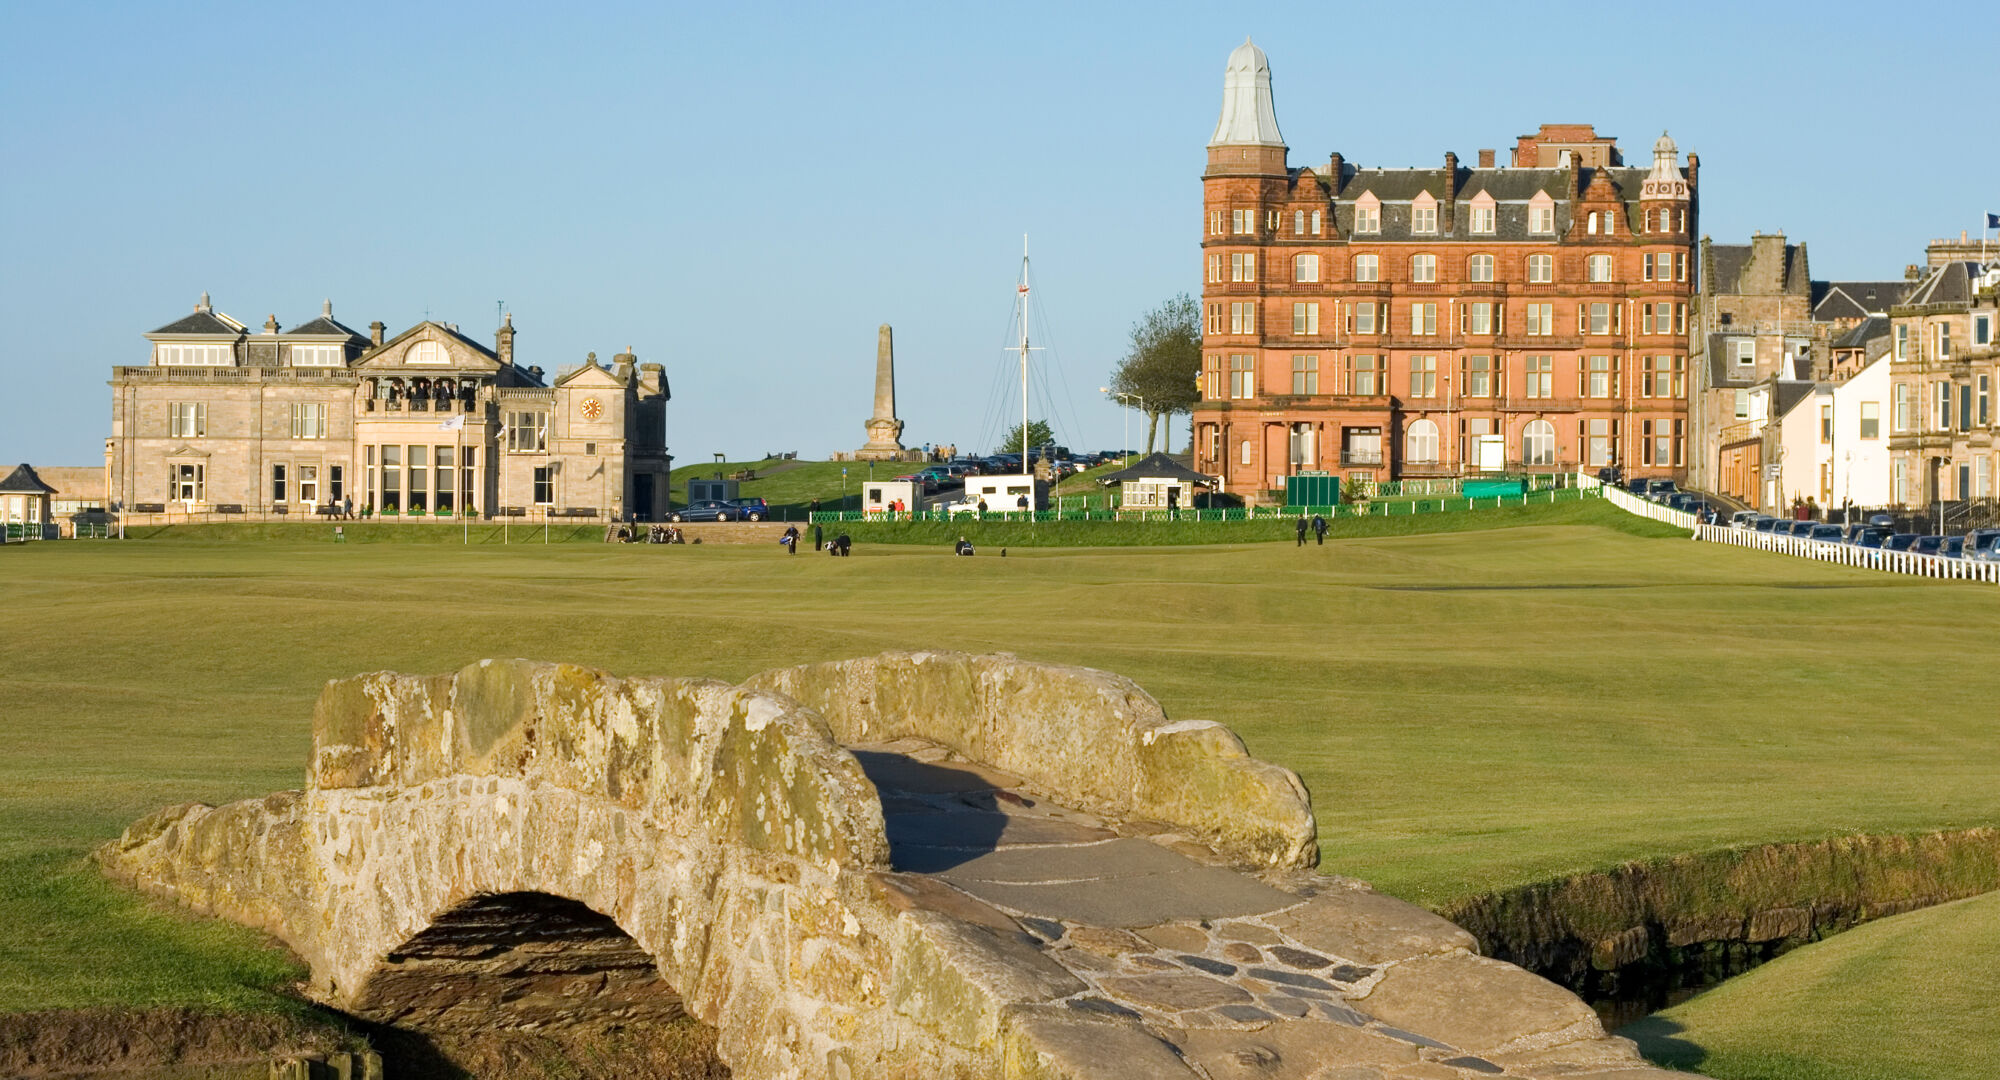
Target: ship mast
1021,290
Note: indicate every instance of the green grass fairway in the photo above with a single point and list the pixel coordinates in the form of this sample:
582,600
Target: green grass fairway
1875,1003
1471,710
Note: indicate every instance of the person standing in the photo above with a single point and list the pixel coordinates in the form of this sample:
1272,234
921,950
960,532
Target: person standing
790,540
1301,529
1319,529
818,537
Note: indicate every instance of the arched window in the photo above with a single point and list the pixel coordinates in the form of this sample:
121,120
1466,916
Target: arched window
1538,443
1366,268
1305,268
1600,268
1541,269
425,352
1479,268
1592,229
1423,268
1421,443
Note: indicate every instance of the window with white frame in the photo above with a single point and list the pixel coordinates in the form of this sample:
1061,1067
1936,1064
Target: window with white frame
1242,222
1242,375
1215,266
1424,319
1211,367
308,420
1871,419
1479,376
1539,375
1367,218
1243,266
1541,219
186,481
1982,329
1541,320
187,419
1598,383
1985,387
1243,318
1420,443
1742,404
1591,228
1215,323
1298,223
1476,318
1482,220
1315,223
1423,268
1367,268
1215,223
1305,268
1599,441
1902,341
277,482
194,355
1600,319
1943,340
1361,317
309,484
426,354
1941,402
1902,398
1746,352
1479,268
1305,374
1538,443
1245,455
1365,375
1541,269
1423,218
316,355
1423,376
1599,267
1899,486
1305,319
527,432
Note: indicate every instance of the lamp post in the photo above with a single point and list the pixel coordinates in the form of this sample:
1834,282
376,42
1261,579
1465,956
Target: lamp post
1125,446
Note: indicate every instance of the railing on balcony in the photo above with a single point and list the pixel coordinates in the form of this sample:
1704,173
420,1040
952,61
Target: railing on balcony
1361,457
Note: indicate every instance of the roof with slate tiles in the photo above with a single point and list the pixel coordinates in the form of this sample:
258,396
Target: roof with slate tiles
24,480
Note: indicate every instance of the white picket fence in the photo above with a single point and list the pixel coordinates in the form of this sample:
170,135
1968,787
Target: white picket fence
1895,562
1633,504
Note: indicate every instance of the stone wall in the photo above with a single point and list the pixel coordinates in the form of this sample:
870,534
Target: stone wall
1096,738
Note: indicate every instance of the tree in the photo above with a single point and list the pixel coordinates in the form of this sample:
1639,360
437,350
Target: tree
1162,364
1039,434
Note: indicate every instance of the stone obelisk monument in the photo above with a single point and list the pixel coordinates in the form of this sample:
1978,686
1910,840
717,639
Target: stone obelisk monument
885,432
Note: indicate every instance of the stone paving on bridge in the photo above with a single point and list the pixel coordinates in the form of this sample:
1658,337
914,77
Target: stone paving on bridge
1286,974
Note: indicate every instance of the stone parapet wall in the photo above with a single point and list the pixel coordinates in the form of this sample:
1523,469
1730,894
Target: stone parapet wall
1093,738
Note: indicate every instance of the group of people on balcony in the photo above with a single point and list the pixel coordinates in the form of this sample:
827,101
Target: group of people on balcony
425,394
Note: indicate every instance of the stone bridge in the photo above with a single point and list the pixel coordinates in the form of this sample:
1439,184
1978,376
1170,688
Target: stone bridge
917,864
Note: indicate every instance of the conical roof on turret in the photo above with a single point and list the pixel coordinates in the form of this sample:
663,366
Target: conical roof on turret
1248,116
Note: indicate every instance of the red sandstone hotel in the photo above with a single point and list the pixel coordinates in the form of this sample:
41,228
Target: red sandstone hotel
1402,323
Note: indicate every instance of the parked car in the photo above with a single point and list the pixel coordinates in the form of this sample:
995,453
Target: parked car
707,510
1868,536
923,480
1882,521
1765,523
1828,533
1744,519
1899,541
1637,485
1927,545
1983,545
1954,547
751,509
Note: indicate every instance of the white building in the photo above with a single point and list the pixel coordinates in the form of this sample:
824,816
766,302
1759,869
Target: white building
1860,451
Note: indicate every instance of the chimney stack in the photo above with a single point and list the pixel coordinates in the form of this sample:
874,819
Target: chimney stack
1450,214
375,332
503,339
1334,166
1486,159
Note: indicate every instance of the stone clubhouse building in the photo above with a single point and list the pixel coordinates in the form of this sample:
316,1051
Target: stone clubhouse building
1387,323
222,422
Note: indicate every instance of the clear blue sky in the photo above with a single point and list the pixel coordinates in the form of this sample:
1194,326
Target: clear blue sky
743,192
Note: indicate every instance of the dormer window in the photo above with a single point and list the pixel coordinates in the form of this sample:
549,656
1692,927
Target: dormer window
1368,214
1484,214
1424,214
1542,214
194,356
316,355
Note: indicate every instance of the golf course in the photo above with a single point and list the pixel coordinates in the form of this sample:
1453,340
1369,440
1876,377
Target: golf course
1476,702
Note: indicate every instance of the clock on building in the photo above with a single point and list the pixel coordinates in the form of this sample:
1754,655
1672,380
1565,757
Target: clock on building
592,408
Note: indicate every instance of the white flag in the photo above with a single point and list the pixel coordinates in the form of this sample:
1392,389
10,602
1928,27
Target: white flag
456,423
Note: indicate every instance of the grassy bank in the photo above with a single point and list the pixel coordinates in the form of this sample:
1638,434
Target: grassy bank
1913,997
1470,710
994,535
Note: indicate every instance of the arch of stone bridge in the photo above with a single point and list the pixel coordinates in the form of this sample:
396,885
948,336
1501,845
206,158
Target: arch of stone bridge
524,844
